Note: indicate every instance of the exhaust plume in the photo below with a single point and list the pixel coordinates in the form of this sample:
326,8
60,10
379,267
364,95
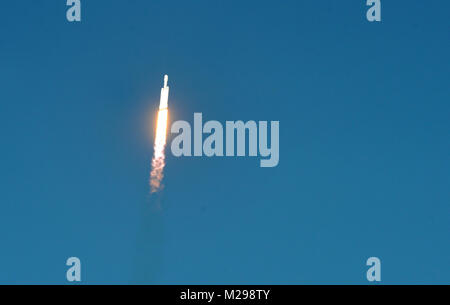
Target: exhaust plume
158,161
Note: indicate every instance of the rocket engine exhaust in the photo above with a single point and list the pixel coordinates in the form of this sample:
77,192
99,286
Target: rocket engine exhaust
158,161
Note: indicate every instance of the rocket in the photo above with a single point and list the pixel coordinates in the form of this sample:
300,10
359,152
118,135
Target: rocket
163,103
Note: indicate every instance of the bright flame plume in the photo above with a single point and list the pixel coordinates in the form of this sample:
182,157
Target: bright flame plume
158,161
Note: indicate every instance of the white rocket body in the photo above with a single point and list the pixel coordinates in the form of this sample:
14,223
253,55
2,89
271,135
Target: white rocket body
163,103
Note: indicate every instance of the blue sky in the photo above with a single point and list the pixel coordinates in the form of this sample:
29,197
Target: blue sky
364,151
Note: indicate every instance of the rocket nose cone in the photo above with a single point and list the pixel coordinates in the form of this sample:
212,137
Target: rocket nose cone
166,79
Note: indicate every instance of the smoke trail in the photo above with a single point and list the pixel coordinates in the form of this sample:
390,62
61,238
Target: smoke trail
148,260
158,161
149,257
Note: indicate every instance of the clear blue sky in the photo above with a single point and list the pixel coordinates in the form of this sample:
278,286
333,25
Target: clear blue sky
364,142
